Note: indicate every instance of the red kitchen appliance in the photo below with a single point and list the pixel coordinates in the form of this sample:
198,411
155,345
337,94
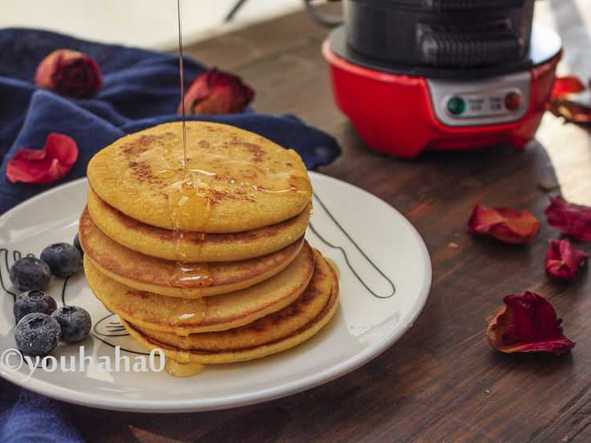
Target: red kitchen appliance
416,75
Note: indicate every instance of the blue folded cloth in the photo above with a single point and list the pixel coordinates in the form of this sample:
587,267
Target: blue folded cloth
140,90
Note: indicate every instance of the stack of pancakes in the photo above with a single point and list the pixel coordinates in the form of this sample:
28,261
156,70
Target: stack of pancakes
199,248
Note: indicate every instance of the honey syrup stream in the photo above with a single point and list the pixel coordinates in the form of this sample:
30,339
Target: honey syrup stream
179,194
182,83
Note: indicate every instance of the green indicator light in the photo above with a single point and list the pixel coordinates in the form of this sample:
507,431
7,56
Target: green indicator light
456,105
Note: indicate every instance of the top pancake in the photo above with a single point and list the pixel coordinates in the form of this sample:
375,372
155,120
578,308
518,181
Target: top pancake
234,180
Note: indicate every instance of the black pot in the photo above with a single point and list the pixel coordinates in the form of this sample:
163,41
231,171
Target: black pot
440,33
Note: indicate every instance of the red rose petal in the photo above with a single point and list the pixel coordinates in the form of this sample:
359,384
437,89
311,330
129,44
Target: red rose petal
569,218
569,84
570,111
563,260
69,73
45,165
560,104
505,224
217,92
527,323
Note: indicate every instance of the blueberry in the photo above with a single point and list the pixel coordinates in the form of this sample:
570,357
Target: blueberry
33,301
77,245
75,323
29,274
37,334
63,259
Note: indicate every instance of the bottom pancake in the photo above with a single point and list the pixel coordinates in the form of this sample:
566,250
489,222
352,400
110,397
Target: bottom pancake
275,333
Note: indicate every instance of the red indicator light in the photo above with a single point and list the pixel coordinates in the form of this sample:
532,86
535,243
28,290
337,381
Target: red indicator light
513,101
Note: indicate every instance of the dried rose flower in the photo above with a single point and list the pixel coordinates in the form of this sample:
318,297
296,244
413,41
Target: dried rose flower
527,323
568,84
69,73
563,260
569,218
45,165
217,92
505,224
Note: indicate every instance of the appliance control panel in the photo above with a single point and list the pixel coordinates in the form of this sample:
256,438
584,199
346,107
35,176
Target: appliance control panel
481,102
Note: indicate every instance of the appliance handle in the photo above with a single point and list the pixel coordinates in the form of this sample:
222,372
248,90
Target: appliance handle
328,21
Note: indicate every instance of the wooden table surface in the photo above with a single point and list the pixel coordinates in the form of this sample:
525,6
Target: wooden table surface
441,381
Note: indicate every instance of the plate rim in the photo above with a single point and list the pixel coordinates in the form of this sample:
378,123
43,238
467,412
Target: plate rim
236,400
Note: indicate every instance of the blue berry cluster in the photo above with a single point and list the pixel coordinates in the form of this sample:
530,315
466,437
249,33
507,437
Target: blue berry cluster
40,325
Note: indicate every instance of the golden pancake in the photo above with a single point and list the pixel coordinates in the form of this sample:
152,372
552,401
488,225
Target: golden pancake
233,180
194,246
185,280
274,333
217,313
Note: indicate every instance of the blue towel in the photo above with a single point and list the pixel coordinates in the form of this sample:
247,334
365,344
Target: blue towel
140,90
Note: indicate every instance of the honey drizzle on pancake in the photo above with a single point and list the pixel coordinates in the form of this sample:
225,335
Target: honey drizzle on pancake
177,369
189,184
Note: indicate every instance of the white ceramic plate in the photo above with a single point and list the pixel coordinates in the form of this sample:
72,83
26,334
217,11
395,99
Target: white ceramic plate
385,278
